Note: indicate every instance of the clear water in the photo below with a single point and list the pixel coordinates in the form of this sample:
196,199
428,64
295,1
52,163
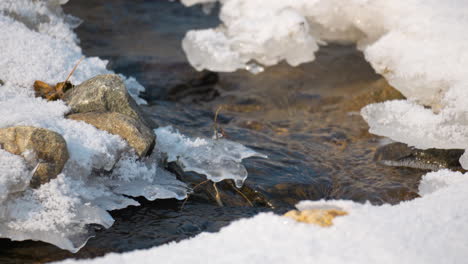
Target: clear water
303,118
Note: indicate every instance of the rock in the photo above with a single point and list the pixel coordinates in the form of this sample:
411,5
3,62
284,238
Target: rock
321,217
104,93
136,133
48,147
378,91
288,194
400,155
226,190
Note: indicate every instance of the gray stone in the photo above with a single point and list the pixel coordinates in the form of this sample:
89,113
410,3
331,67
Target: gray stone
49,148
137,134
104,93
400,155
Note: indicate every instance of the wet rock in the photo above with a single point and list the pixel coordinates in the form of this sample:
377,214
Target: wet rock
400,155
137,134
321,217
40,145
195,90
225,191
290,193
104,93
378,91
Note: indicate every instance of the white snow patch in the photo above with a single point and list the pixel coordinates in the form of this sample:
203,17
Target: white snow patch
430,229
217,159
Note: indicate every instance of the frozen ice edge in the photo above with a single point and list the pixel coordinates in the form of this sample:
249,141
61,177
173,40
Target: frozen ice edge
218,159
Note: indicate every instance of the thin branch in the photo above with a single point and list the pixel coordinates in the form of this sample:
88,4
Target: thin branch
193,189
74,68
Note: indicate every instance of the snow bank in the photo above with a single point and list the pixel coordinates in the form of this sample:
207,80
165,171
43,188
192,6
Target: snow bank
217,159
419,46
430,229
37,43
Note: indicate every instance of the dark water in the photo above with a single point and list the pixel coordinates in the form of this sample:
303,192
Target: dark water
305,119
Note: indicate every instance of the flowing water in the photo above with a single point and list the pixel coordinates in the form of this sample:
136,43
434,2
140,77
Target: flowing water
306,119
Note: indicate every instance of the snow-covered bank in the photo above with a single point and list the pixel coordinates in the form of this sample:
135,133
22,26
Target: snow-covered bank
38,43
419,46
430,229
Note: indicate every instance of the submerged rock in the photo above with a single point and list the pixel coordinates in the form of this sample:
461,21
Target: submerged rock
178,82
104,93
137,134
321,217
378,91
224,191
46,148
400,155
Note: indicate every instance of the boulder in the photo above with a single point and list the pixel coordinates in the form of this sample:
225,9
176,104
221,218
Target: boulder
104,93
137,134
321,217
48,148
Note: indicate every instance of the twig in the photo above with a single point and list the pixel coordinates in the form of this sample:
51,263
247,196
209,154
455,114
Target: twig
193,189
243,195
73,70
215,125
217,197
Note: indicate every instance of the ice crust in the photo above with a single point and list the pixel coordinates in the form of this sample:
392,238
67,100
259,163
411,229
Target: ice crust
37,43
218,159
419,46
14,174
430,229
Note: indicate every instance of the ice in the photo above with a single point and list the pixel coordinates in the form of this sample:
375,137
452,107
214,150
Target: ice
14,174
430,229
133,177
218,159
411,123
37,43
251,32
419,46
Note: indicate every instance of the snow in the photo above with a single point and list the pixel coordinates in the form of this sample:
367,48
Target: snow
419,46
38,43
14,174
218,159
430,229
